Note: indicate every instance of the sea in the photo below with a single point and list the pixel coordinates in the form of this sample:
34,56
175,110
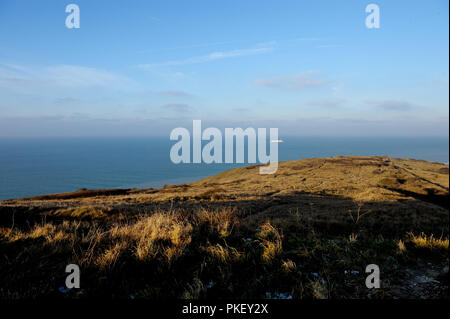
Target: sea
38,165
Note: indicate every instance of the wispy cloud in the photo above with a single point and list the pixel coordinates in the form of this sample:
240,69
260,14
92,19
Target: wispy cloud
177,107
241,110
307,39
190,46
208,45
293,82
210,57
77,76
175,93
326,46
393,105
38,79
328,103
65,100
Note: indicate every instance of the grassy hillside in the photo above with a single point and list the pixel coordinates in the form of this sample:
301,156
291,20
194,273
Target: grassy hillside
307,231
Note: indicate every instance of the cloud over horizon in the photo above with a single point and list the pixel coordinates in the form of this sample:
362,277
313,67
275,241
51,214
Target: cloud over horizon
328,103
175,93
390,105
84,125
177,107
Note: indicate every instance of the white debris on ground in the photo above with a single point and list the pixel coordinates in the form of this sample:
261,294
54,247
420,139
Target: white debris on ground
278,295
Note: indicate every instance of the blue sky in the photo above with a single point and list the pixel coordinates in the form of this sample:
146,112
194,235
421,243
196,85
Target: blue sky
146,67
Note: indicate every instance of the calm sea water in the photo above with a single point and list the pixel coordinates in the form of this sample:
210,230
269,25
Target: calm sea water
34,166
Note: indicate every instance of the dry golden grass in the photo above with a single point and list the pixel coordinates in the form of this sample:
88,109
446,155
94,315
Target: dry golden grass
429,242
319,290
401,246
235,235
51,233
110,256
159,234
353,238
288,265
271,242
220,221
224,254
